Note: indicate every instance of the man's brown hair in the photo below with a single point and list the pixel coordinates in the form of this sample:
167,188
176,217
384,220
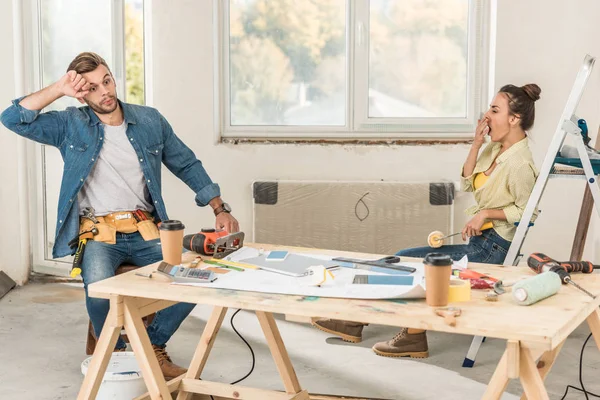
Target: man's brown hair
87,62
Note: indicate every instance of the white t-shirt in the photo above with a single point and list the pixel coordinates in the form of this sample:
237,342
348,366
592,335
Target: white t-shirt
116,181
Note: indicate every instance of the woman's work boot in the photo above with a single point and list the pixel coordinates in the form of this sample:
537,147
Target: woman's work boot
407,343
348,331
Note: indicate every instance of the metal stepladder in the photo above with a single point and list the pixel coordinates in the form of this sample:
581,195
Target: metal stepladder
567,125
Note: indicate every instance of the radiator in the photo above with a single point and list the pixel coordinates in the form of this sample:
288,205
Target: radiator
371,217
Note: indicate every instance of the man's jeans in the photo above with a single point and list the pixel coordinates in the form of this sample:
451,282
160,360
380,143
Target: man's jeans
101,260
489,248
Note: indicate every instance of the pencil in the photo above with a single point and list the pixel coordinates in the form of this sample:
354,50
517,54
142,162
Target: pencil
236,264
218,264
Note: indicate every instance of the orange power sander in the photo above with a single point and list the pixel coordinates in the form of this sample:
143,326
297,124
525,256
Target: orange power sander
215,243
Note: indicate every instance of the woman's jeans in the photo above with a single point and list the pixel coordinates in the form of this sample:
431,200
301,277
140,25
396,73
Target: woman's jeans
101,260
489,248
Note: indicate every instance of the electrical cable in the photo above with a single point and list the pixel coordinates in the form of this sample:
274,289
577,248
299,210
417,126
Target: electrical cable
361,219
582,389
247,344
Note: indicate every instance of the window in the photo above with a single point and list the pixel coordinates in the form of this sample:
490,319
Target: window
351,68
113,24
117,35
134,52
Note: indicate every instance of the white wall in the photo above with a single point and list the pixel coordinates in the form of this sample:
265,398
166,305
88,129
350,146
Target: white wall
544,44
11,259
535,43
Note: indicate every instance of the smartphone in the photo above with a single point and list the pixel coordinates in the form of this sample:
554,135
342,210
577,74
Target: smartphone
403,280
277,255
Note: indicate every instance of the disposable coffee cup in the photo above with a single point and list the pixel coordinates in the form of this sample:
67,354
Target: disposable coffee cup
438,268
171,240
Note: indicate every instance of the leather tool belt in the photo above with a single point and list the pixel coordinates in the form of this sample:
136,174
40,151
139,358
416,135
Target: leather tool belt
122,221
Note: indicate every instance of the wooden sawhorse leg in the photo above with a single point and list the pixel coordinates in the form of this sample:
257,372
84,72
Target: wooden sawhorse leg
128,313
190,383
279,353
104,349
143,351
204,347
518,361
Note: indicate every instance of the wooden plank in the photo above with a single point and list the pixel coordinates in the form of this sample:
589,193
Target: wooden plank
279,352
117,304
142,348
583,223
302,319
204,347
546,323
585,215
238,392
532,382
332,397
594,323
104,349
545,363
311,396
150,306
499,380
512,359
6,284
173,385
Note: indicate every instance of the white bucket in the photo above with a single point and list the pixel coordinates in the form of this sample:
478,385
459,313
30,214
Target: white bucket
123,378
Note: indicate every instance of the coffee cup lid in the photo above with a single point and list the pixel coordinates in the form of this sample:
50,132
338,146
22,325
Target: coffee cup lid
438,259
171,225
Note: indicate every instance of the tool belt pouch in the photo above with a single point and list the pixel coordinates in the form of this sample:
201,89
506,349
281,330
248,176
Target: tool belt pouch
123,222
148,230
86,226
107,233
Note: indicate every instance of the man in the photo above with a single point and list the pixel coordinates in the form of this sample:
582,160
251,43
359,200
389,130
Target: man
112,154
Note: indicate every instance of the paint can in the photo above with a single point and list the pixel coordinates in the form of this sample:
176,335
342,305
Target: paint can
122,379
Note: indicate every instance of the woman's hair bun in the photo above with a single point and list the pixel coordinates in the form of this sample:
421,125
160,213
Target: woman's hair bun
532,90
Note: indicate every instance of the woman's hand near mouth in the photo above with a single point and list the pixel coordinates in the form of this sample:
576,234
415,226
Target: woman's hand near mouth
480,132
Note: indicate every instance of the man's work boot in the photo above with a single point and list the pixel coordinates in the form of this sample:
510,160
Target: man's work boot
348,331
167,367
407,343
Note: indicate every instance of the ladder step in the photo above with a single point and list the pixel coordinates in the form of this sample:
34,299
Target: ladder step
576,163
563,171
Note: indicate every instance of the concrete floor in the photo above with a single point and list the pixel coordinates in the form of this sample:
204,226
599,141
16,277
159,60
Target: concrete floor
43,331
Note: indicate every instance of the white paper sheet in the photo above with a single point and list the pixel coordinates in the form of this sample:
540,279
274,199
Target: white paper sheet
340,287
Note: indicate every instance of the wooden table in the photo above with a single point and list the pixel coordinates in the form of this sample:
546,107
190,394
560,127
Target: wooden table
534,334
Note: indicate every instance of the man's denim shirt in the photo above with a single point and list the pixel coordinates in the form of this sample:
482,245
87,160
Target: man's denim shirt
78,134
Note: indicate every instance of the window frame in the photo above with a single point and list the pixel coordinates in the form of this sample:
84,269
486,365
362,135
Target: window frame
41,253
357,124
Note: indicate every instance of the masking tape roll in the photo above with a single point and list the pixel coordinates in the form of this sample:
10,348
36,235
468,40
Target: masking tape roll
460,290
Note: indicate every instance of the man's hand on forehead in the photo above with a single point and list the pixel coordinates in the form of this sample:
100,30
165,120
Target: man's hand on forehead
74,85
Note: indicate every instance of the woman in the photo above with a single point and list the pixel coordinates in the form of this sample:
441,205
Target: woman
501,179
